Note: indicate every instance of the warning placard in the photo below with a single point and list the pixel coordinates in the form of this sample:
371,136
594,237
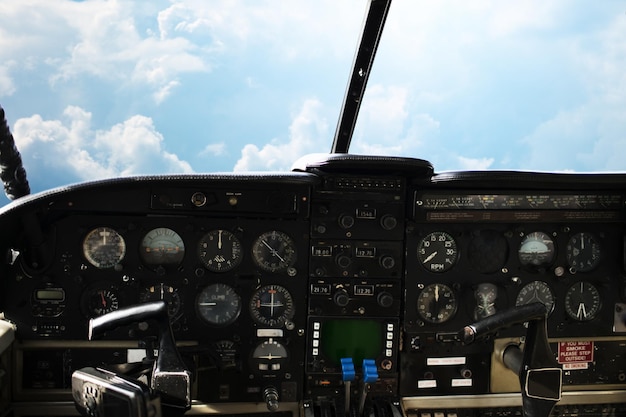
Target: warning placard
575,353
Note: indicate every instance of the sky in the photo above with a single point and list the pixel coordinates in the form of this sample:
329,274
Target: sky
97,89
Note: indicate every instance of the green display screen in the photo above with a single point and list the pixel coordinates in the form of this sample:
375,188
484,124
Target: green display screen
356,339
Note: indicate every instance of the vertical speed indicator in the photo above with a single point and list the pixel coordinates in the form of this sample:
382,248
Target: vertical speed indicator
437,252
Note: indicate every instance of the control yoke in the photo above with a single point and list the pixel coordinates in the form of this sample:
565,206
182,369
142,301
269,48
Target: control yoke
539,373
170,380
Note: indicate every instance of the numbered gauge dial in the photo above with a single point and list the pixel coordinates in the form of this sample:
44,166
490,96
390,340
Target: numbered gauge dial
485,294
98,301
104,248
274,251
582,301
436,303
437,252
536,292
220,251
218,304
163,292
583,252
536,249
272,306
162,246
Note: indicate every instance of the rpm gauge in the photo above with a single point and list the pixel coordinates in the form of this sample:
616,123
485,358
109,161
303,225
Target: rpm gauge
104,248
437,252
218,304
536,249
100,300
272,306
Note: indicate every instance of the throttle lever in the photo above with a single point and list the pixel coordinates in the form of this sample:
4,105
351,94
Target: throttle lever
539,373
170,376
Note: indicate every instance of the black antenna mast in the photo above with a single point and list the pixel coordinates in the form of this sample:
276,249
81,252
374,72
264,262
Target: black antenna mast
363,60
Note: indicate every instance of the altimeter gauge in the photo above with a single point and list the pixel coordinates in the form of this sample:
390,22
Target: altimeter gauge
582,301
220,251
583,252
218,304
104,248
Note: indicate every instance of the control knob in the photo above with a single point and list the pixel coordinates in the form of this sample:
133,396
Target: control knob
341,298
384,299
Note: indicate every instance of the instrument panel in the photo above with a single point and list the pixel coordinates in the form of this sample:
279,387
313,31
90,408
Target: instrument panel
271,280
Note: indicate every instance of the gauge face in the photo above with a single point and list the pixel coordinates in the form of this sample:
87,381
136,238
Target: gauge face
536,291
269,356
536,249
488,251
162,246
485,294
220,251
437,252
272,306
99,301
274,251
227,352
218,304
436,303
583,252
104,248
163,292
582,301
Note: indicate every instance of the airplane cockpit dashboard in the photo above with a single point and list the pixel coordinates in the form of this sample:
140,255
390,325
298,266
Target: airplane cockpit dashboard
352,285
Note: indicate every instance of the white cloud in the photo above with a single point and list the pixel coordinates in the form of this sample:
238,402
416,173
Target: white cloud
306,130
7,86
474,163
72,147
214,149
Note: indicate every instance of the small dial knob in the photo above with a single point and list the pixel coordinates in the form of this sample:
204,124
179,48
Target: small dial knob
341,298
384,299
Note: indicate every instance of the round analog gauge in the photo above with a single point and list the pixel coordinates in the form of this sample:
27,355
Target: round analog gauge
220,251
98,301
436,303
163,292
487,251
536,249
272,306
104,248
218,304
536,291
274,251
437,252
485,294
582,301
583,252
162,246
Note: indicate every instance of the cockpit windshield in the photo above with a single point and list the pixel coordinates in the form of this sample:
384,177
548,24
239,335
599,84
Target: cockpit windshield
96,89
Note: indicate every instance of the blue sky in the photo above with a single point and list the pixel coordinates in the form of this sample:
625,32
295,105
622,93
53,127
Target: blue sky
97,89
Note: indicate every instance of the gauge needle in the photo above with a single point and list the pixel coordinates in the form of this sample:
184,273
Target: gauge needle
582,312
219,240
207,304
273,251
437,293
104,302
430,257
